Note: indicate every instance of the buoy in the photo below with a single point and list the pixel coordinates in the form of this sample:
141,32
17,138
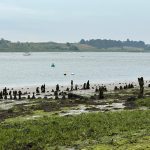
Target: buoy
52,65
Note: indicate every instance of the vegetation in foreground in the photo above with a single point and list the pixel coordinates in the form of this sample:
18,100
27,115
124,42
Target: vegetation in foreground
111,130
143,102
37,124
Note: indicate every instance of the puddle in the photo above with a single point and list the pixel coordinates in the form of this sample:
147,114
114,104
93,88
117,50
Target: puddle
80,110
111,106
84,109
8,104
33,117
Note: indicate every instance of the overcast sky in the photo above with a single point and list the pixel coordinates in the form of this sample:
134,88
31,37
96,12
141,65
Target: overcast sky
71,20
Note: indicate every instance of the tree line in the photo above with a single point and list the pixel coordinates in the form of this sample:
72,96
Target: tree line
104,43
6,45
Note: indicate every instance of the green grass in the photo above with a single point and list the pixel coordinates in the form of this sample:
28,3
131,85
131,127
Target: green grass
140,144
143,102
109,130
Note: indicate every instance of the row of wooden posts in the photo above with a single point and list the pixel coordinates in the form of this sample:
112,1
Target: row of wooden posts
13,94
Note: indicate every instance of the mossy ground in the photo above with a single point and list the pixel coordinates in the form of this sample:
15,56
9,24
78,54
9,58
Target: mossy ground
119,130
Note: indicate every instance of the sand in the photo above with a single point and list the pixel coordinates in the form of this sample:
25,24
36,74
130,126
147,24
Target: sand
49,94
30,89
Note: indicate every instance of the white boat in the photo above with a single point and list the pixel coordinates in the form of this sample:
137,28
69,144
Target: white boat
26,54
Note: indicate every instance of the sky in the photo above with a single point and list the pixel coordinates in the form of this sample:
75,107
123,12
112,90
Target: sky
72,20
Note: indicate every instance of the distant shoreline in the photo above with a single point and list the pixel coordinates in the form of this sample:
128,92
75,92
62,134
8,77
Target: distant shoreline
76,51
97,45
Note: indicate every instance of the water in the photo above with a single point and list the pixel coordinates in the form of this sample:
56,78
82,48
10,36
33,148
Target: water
19,70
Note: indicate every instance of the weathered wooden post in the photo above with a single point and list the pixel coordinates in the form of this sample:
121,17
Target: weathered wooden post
101,92
1,95
63,96
71,85
43,88
33,96
15,94
57,87
20,93
37,90
10,97
56,94
88,85
29,97
5,91
84,86
96,90
5,96
76,87
141,84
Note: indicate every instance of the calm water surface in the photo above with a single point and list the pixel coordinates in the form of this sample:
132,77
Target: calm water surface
19,70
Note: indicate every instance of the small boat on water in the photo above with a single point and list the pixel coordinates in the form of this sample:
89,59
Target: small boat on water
52,65
72,74
26,54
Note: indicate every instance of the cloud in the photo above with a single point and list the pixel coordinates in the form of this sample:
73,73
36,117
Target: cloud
53,19
54,10
9,10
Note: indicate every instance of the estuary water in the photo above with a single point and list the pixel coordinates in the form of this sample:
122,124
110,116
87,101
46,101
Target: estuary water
19,70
